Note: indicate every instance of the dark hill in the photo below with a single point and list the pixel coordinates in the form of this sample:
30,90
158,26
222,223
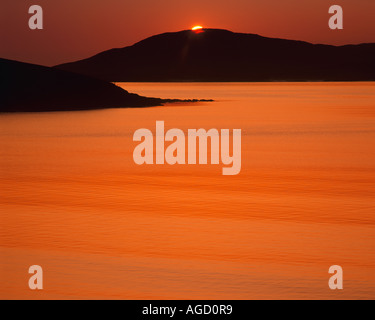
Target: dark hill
220,55
28,87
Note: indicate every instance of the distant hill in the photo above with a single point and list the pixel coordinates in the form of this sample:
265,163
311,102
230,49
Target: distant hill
221,55
28,87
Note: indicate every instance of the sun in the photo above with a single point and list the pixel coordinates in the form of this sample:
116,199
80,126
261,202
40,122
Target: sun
197,28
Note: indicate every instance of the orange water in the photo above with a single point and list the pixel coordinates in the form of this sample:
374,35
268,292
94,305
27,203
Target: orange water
74,202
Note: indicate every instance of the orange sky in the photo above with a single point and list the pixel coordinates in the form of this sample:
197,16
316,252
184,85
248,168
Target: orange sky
76,29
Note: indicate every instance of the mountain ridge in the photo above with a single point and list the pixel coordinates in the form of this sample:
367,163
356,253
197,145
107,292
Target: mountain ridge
223,55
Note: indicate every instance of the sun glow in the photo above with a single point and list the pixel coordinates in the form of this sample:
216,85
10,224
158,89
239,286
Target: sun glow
196,28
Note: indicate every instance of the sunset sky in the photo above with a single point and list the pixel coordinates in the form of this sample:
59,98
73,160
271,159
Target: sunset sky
76,29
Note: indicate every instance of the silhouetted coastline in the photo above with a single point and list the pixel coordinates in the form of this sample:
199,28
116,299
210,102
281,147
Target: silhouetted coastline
32,88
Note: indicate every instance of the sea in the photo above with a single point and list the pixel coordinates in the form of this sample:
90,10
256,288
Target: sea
102,227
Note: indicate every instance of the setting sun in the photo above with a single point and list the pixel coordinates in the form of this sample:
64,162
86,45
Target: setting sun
197,28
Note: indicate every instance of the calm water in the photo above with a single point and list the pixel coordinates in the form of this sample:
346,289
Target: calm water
73,201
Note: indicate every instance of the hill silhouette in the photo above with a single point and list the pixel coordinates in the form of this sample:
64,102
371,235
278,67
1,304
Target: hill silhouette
221,55
27,87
